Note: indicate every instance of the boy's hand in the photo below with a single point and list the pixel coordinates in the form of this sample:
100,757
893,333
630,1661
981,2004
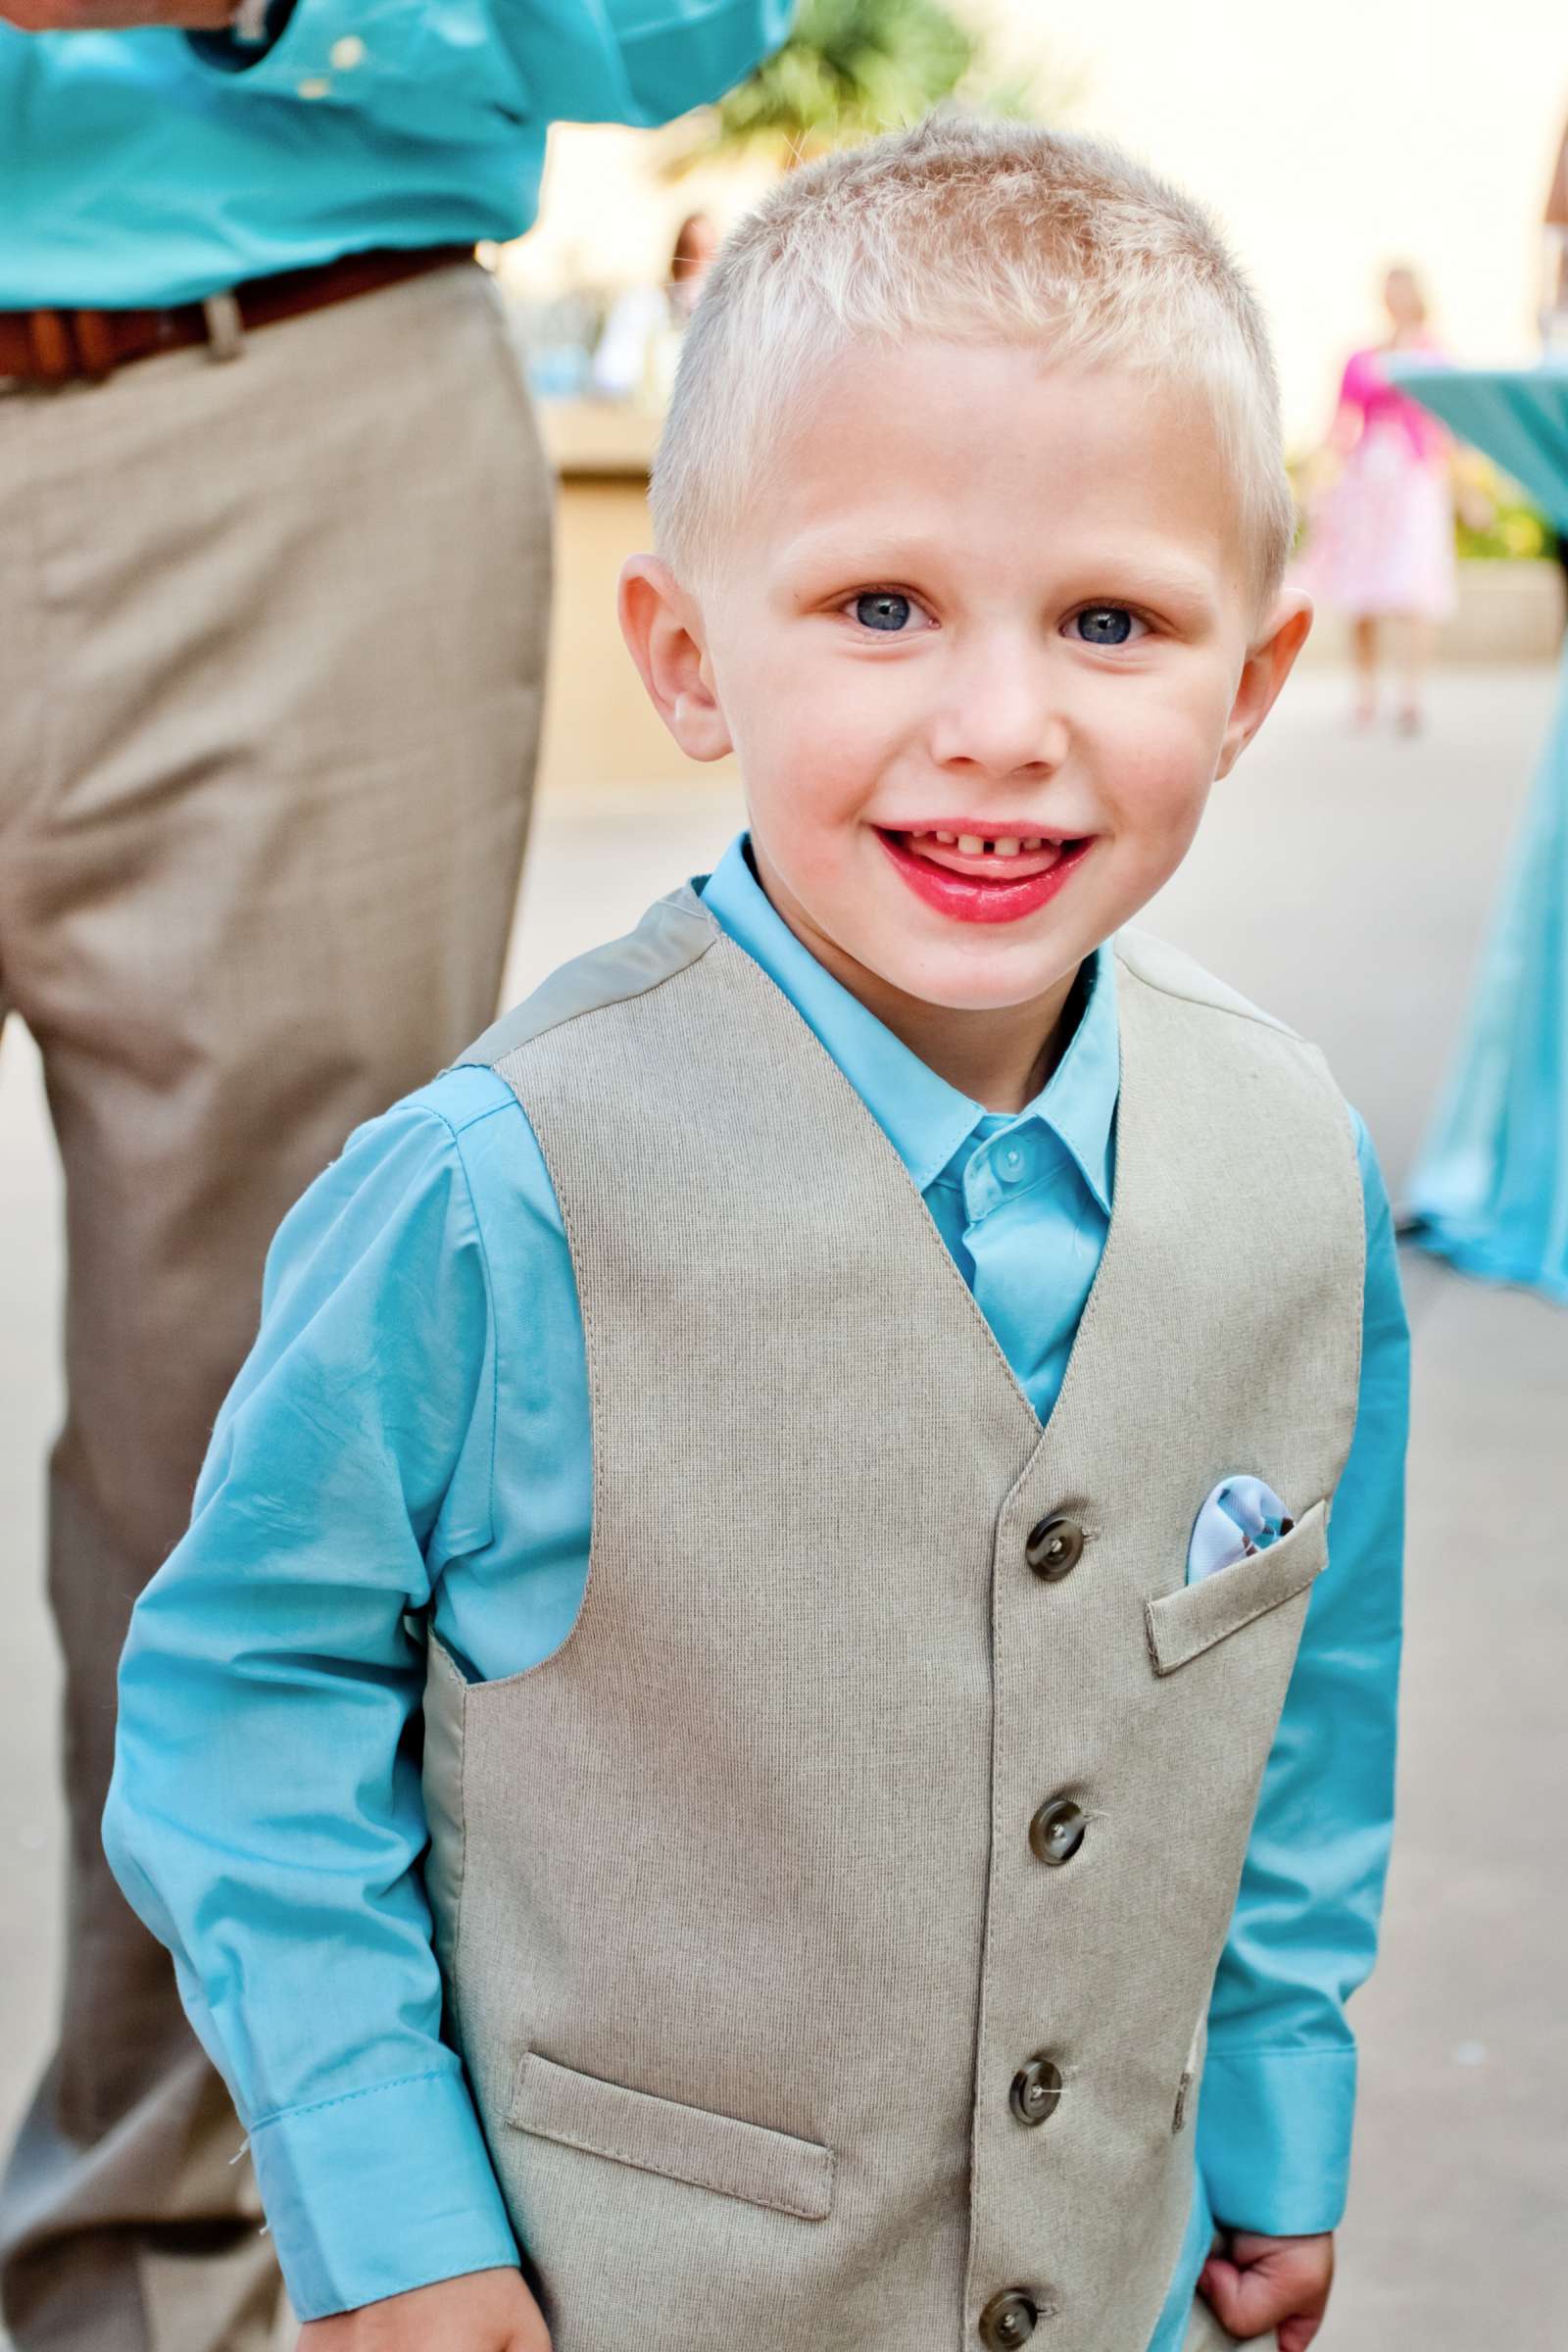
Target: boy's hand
1262,2283
484,2310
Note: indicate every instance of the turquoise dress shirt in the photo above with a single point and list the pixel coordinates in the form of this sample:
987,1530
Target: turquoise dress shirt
145,168
411,1434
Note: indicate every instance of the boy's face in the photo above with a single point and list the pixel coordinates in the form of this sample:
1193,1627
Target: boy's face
977,602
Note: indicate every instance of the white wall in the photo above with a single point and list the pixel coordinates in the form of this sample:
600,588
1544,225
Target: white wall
1329,137
1336,135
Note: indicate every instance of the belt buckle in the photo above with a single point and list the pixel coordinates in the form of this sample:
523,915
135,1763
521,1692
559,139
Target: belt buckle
226,327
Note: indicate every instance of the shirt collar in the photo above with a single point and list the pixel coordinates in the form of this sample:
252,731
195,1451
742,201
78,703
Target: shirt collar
922,1116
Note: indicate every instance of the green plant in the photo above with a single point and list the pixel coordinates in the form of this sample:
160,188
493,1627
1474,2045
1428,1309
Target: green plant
850,70
1514,529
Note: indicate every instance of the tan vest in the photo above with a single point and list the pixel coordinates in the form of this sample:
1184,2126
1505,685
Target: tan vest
787,2031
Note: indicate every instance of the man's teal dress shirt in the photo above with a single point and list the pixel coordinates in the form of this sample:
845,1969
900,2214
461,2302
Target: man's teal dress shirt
411,1433
145,168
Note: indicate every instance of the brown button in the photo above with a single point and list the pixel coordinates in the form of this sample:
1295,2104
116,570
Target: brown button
1056,1830
1036,2090
1054,1547
1009,2319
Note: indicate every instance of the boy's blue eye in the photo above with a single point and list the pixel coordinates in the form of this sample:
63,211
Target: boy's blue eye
881,608
1104,624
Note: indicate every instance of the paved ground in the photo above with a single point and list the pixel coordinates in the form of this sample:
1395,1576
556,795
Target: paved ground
1343,883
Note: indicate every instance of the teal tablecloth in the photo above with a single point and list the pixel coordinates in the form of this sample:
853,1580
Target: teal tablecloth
1490,1191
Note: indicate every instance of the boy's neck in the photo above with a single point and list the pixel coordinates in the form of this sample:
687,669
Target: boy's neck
1000,1059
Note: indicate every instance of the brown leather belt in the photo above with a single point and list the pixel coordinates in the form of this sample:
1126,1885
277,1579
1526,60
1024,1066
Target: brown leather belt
58,347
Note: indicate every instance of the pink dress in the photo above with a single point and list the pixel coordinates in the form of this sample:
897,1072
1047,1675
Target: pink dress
1380,538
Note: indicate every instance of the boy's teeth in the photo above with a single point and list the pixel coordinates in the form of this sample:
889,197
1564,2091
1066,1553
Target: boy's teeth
974,845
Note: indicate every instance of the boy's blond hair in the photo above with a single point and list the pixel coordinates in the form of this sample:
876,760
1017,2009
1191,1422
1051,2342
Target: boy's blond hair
971,231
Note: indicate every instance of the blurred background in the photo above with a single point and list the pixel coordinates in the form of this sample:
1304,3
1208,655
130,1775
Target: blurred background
1348,877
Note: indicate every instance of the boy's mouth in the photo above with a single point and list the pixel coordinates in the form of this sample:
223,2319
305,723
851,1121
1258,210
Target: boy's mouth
981,874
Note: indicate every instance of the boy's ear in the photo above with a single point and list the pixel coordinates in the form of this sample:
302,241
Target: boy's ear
1270,658
663,625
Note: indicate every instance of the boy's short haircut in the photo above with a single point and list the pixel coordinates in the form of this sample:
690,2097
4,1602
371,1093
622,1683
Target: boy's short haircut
972,230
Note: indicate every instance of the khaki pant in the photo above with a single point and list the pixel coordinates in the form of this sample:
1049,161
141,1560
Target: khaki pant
271,643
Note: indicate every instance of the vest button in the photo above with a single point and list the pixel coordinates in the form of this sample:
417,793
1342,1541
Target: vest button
1054,1547
1036,2091
1008,2319
1058,1831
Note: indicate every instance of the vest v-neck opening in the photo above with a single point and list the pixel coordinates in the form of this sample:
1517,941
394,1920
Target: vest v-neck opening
1111,1257
881,1143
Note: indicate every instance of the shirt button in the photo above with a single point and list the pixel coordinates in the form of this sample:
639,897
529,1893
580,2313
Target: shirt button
1036,2092
1056,1830
1012,1163
1009,2319
317,87
1055,1547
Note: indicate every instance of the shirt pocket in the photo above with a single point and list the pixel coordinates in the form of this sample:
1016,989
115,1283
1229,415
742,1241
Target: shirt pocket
1183,1624
713,2151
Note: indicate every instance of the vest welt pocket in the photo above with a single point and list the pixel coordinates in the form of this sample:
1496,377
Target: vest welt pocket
711,2151
1184,1623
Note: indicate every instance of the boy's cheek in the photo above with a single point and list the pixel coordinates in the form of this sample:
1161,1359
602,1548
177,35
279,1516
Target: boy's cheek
794,817
1159,793
809,784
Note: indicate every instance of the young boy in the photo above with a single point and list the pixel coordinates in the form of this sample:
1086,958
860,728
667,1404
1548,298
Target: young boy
945,1323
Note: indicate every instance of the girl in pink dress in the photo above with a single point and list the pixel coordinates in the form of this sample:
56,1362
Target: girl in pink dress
1381,536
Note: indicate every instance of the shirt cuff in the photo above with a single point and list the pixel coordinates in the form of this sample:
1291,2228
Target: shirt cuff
379,2191
1274,2138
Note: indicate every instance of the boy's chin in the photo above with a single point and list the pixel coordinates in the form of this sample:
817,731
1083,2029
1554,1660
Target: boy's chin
966,983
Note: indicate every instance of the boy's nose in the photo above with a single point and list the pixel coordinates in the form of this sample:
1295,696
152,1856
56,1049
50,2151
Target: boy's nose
1000,717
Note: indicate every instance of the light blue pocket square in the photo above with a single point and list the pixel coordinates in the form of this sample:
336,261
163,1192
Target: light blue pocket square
1240,1517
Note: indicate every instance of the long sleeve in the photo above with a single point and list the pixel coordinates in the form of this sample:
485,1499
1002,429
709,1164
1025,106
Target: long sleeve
266,1816
446,73
1279,2091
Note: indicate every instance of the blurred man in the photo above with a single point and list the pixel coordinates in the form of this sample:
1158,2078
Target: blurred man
274,591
